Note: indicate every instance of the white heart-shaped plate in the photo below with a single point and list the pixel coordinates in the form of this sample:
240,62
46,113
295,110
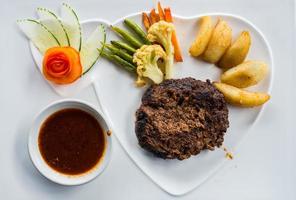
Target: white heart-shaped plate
120,99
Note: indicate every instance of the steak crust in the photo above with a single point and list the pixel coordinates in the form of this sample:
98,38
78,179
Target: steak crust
181,117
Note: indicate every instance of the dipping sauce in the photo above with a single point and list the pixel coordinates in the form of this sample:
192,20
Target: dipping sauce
71,141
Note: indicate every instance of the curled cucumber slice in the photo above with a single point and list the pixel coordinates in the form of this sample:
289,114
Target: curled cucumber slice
72,26
41,37
89,53
54,25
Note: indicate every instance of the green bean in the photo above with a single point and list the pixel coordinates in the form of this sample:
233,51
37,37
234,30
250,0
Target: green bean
127,37
126,65
137,30
125,46
121,53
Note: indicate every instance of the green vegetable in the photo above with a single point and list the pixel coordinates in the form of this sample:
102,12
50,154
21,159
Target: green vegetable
127,37
114,58
122,45
54,25
146,59
72,26
137,30
161,32
89,54
41,37
120,52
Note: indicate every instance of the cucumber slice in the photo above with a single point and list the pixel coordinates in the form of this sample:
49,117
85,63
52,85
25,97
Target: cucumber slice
89,53
72,26
54,25
41,37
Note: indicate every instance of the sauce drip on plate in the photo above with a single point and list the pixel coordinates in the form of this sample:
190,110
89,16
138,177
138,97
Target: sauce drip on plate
71,141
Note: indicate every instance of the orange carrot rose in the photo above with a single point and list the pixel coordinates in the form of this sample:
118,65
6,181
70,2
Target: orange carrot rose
61,65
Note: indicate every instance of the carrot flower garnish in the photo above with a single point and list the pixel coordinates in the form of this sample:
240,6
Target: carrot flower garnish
61,65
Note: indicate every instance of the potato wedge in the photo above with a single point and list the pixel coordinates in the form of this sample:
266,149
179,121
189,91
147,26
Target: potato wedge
237,52
239,97
203,36
219,42
246,74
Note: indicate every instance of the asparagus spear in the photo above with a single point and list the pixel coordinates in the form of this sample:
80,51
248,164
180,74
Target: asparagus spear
119,52
128,66
127,36
137,30
125,46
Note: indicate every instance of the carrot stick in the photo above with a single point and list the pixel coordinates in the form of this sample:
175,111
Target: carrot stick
160,11
169,18
168,15
178,54
146,21
154,17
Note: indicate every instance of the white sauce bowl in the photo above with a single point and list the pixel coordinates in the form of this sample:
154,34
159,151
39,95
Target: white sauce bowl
44,168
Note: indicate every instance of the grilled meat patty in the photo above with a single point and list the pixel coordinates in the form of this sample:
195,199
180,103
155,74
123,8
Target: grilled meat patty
180,117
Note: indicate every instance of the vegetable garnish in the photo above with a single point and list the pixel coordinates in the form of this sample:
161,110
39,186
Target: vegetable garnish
147,58
121,53
154,17
146,21
59,39
150,55
160,11
120,61
54,24
127,37
124,46
39,34
89,53
178,54
61,65
72,26
134,56
137,30
161,33
163,15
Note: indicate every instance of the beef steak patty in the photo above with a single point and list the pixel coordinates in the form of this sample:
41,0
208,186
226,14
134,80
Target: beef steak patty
180,117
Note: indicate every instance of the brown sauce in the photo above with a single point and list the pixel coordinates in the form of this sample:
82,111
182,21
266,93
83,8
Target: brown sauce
71,141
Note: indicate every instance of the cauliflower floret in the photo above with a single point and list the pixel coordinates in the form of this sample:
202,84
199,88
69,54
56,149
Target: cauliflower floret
161,32
146,59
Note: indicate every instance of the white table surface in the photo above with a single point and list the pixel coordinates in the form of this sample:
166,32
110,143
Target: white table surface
263,166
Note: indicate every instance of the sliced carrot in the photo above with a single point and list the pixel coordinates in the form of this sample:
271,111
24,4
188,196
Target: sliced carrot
178,53
168,15
61,65
160,11
154,17
177,49
146,21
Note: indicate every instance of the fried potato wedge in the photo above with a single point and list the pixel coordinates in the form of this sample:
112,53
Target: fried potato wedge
239,97
237,52
246,74
219,42
203,36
